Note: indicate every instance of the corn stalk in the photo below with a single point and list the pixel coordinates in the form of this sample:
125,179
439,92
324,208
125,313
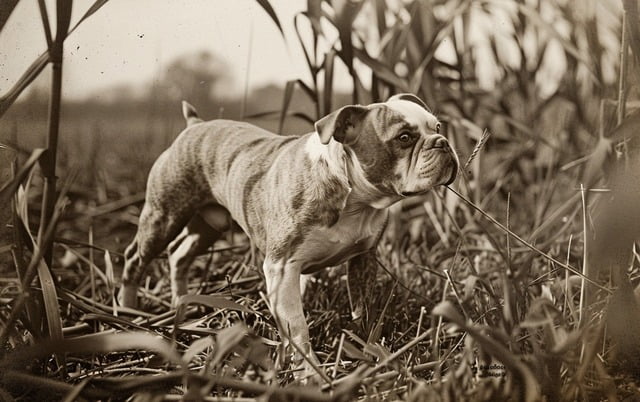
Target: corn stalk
48,165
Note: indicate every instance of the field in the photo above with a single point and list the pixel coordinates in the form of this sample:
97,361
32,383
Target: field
516,282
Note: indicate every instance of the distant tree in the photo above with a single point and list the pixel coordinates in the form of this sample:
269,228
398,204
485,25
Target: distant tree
194,77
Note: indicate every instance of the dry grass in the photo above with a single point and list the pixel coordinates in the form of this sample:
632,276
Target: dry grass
494,289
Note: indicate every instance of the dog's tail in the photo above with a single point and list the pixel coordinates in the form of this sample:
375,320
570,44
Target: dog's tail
190,114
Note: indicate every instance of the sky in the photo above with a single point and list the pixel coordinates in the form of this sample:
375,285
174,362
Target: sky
130,41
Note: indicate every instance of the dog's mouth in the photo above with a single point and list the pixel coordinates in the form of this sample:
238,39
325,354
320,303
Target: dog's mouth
413,193
451,175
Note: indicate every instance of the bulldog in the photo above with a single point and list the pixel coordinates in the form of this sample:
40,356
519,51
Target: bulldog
307,202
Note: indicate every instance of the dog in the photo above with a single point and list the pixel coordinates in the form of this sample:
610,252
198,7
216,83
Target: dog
307,202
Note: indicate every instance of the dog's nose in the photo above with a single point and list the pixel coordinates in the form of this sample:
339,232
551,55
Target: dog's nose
436,141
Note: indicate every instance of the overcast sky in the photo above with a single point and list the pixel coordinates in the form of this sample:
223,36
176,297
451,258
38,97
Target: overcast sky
130,41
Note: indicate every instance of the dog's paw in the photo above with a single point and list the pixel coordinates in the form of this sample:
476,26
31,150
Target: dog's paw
308,370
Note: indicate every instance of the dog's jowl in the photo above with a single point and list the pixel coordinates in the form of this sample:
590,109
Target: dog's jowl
306,202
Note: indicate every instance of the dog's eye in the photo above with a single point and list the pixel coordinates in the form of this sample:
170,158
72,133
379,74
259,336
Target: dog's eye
438,128
404,137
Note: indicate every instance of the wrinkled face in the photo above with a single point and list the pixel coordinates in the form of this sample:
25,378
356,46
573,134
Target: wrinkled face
401,151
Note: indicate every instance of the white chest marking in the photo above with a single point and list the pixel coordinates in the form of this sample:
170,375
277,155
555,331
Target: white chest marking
350,236
332,153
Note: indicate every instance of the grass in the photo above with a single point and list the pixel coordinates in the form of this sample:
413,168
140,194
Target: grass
480,290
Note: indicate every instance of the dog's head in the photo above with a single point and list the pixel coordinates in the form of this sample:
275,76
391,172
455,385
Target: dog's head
397,143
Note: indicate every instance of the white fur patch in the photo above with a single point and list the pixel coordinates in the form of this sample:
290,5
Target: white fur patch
413,113
332,153
315,149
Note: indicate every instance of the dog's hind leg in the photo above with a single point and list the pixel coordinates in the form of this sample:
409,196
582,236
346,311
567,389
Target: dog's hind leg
168,208
194,240
156,228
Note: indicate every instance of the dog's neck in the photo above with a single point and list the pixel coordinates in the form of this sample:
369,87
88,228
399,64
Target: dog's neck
341,163
363,191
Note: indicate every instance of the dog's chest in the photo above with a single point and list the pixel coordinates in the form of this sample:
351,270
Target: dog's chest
353,234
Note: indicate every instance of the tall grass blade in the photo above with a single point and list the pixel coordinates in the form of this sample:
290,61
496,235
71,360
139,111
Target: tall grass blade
314,13
94,343
44,15
534,16
531,387
48,165
527,244
6,10
198,346
633,30
212,301
381,17
310,64
382,71
8,189
226,341
111,283
286,100
346,12
94,7
627,129
593,170
51,306
328,81
41,62
442,34
47,283
266,6
622,79
27,78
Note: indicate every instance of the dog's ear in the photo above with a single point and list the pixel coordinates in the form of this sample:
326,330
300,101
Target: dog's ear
341,124
410,98
190,114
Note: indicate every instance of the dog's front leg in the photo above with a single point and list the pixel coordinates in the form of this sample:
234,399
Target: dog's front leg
283,292
361,280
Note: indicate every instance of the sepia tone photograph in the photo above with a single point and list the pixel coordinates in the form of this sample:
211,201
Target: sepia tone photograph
320,200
